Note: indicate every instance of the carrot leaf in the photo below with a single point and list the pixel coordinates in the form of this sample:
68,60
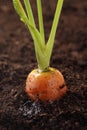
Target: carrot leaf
43,50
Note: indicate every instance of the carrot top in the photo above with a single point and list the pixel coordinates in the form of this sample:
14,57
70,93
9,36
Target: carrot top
43,50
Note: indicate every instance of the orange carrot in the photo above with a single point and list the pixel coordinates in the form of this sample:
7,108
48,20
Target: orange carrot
44,83
45,86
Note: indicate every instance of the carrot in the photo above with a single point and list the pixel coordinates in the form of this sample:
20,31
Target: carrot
44,83
45,86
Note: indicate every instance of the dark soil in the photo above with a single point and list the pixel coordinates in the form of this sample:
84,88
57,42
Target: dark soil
17,59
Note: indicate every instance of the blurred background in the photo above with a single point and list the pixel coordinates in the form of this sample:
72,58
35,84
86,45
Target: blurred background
72,30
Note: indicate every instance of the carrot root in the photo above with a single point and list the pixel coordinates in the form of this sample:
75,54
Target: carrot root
45,86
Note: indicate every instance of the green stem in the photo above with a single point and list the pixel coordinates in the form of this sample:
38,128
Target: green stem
54,28
40,18
43,51
29,12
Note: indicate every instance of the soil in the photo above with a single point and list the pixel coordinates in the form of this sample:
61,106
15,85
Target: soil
17,59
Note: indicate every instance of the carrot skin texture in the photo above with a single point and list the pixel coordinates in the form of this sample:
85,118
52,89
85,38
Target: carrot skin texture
45,86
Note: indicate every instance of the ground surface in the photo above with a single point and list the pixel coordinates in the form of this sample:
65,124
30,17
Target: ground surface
17,59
